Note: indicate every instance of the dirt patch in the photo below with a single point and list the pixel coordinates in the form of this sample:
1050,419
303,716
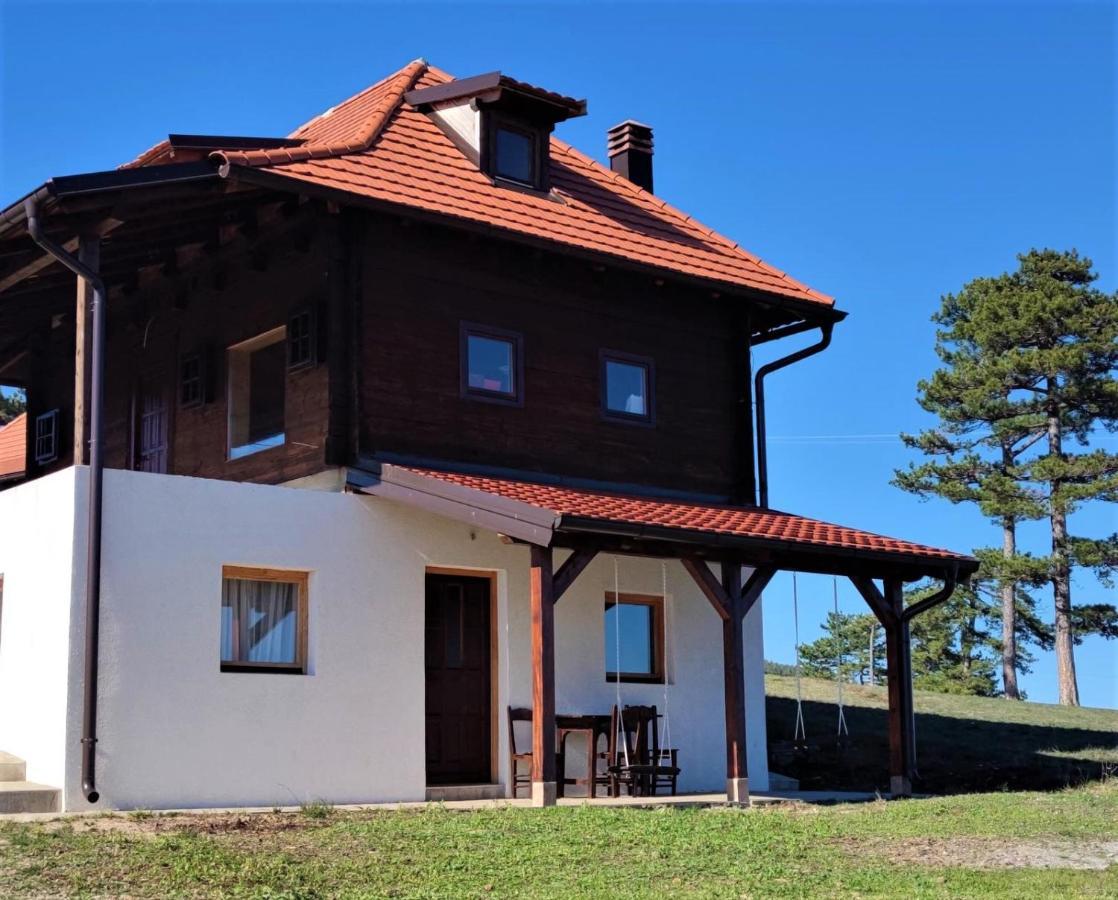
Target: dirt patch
987,853
152,824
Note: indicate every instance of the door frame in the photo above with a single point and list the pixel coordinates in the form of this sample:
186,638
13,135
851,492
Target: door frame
489,575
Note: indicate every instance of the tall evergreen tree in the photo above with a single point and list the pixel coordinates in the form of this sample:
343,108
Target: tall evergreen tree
1031,358
954,650
852,644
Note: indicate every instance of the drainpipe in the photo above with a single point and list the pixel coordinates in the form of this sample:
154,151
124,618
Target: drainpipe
759,395
96,477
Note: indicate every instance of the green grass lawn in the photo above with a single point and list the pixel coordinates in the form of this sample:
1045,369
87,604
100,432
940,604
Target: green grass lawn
964,743
961,846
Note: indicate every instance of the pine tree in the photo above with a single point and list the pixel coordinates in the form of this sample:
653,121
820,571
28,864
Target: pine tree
953,648
846,647
12,403
1035,352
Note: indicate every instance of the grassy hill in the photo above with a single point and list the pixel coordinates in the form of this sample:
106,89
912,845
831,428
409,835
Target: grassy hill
964,744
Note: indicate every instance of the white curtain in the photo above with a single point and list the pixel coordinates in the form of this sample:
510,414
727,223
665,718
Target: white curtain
258,621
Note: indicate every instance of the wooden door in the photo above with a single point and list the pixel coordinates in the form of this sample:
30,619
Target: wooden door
153,425
458,680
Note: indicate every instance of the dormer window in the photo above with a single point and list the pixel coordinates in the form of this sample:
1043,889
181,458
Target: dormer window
501,125
514,153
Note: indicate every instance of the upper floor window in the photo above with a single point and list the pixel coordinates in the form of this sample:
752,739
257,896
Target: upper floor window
191,381
626,387
46,437
257,382
491,364
516,150
263,620
301,339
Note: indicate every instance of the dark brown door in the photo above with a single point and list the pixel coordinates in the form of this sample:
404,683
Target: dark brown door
457,662
153,425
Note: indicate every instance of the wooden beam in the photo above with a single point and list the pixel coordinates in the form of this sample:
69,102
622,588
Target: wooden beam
89,253
709,585
876,601
733,662
902,726
544,791
571,569
35,266
757,582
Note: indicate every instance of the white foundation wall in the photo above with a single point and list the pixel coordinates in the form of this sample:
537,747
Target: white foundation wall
176,732
37,556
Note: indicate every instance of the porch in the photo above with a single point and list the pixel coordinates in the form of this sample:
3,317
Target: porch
747,545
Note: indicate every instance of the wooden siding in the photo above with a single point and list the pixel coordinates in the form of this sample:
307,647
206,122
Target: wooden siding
420,283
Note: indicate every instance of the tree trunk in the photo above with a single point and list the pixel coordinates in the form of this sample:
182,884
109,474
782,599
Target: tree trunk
1061,569
1009,614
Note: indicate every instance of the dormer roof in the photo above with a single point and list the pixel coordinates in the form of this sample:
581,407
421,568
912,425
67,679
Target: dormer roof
382,150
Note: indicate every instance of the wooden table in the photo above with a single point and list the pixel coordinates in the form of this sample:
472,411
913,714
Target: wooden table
593,727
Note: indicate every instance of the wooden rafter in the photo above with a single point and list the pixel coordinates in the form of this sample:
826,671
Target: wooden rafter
566,574
710,586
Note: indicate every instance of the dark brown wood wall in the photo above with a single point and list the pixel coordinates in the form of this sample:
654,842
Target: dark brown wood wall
419,283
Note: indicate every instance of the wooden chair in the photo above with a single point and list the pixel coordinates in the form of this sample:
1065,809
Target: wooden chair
636,759
516,777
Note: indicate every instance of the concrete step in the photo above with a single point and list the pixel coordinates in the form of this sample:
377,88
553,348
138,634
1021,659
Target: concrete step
782,783
28,797
447,792
12,768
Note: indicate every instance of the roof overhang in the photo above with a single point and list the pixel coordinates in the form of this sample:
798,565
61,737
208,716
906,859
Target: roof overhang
546,525
495,89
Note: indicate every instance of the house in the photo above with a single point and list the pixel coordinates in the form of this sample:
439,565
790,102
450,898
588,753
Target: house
340,444
13,449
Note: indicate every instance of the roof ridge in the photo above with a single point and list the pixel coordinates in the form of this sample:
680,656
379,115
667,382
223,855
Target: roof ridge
402,81
715,236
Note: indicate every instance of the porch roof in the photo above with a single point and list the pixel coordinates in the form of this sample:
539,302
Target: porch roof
559,515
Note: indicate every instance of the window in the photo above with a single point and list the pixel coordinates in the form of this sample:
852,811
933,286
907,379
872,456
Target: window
634,638
492,367
514,154
263,620
627,387
191,381
257,380
46,437
301,340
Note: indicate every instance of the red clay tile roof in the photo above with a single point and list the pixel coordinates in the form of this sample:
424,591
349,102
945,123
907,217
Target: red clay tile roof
377,147
13,447
748,522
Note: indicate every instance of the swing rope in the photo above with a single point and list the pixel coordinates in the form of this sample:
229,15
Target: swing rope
842,730
668,668
617,659
799,735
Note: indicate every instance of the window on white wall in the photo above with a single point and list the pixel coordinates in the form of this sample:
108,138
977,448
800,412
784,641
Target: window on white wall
257,382
263,620
634,638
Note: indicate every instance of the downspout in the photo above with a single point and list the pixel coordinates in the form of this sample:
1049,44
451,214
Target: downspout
96,477
759,397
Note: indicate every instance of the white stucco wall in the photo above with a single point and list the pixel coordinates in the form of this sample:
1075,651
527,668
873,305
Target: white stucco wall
37,551
174,731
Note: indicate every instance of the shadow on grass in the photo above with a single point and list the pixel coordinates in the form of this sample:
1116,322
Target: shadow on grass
953,755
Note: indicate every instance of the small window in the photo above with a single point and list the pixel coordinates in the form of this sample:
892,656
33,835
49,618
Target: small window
627,387
301,342
263,620
514,154
257,383
191,381
491,364
634,638
46,437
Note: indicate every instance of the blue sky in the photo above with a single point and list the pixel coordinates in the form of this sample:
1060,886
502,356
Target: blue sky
883,152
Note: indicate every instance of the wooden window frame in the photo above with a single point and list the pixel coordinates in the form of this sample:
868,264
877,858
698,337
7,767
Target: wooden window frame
472,329
311,360
249,346
648,420
54,417
495,121
656,602
284,576
200,358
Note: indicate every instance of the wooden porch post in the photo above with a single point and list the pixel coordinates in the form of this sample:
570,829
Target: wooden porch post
902,724
89,252
733,649
543,678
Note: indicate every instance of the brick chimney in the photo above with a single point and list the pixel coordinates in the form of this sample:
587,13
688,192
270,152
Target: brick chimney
630,152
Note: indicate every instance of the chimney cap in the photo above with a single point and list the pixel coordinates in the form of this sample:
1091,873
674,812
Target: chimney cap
629,135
